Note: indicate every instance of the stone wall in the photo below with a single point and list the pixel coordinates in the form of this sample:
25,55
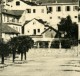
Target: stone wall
35,52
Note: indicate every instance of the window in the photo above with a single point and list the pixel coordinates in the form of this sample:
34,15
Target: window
75,8
17,28
59,17
28,10
13,20
49,9
42,10
34,10
4,17
28,31
34,22
17,3
68,8
50,17
58,8
38,30
34,31
75,16
44,28
79,17
7,19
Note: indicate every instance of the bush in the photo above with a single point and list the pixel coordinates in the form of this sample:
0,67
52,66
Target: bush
55,44
66,43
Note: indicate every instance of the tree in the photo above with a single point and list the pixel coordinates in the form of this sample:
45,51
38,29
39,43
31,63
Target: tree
4,51
69,29
22,44
13,45
25,45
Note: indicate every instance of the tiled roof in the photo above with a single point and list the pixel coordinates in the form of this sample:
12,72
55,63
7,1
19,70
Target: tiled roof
58,1
17,24
50,32
10,0
39,20
29,3
6,29
50,1
50,28
16,13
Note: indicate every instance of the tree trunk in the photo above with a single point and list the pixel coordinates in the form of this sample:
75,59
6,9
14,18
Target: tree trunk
25,55
21,56
13,56
2,62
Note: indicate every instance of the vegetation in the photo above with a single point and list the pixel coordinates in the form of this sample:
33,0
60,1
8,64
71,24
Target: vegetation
4,51
68,28
20,45
69,33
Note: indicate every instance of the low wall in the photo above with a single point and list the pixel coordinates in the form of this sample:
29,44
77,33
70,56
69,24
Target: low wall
43,52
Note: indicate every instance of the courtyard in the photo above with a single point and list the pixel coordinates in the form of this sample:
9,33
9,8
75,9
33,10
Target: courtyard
45,62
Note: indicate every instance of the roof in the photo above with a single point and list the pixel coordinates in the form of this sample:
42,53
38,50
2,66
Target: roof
10,0
17,24
50,1
58,1
16,13
39,20
29,3
76,3
50,28
6,29
50,32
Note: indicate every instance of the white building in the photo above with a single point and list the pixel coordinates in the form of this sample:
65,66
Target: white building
52,13
38,12
16,27
18,5
7,32
33,27
11,18
57,11
39,31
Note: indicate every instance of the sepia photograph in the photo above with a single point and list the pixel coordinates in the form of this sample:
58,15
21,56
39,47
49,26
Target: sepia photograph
39,37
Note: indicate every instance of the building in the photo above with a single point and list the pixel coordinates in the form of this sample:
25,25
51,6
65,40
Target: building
33,27
57,11
16,27
38,12
18,5
40,32
11,18
7,32
52,13
29,15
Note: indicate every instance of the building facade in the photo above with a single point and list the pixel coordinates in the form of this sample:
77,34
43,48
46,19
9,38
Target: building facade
50,13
